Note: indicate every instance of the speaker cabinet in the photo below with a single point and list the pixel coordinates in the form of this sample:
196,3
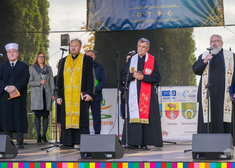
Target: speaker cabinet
65,40
7,148
212,147
96,146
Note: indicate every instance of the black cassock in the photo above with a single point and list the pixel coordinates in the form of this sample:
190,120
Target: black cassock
70,137
145,134
13,113
217,81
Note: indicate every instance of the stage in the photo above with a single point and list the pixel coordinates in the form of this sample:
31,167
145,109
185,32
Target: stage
168,153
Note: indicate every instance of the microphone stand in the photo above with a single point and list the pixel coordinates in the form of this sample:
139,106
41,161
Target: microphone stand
207,96
118,81
208,85
126,113
158,85
55,92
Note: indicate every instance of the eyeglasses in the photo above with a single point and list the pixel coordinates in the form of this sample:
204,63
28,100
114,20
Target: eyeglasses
215,41
12,52
41,57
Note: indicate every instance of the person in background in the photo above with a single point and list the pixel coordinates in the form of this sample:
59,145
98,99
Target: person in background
14,77
97,97
143,120
75,90
42,83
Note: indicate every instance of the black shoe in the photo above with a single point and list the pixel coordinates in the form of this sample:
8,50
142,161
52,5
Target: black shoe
39,139
20,145
144,147
44,139
134,147
66,146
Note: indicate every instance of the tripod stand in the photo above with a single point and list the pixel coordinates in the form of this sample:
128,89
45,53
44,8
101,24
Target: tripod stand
55,92
208,94
122,87
207,97
126,118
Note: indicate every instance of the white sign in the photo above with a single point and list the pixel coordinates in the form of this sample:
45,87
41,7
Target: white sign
178,112
109,114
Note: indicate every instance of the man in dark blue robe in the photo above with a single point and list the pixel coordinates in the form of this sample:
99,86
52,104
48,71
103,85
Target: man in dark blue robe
220,77
14,75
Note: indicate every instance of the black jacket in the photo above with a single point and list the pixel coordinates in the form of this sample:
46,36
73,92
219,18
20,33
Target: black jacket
101,78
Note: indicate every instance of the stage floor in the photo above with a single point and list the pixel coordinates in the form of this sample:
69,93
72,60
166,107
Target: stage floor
168,153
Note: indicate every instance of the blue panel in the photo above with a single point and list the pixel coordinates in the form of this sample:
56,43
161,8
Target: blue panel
109,15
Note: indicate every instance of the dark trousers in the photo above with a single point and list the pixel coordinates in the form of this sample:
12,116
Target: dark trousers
19,136
95,109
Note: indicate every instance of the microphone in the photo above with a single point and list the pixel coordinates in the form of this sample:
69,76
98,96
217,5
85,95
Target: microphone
162,49
1,55
131,53
117,54
64,49
210,48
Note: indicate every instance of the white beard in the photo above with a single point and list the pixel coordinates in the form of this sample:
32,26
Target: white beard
215,51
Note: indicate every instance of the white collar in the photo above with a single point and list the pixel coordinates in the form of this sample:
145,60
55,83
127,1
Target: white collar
13,62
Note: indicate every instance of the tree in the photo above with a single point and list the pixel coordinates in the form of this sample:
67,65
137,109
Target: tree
26,22
91,40
28,25
178,58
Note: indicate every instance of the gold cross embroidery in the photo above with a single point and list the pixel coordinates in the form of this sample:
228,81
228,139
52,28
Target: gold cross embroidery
71,71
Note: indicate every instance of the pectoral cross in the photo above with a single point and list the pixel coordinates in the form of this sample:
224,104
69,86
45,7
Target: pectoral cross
71,71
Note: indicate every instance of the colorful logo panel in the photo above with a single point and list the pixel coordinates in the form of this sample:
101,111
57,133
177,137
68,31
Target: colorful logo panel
172,110
160,109
189,110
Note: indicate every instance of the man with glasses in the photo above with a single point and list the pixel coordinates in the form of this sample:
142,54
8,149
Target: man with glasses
143,118
216,68
14,77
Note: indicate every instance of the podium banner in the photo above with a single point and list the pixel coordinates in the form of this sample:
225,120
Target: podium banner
179,112
178,107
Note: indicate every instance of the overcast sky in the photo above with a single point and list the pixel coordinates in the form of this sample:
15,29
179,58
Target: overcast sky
69,15
66,15
202,34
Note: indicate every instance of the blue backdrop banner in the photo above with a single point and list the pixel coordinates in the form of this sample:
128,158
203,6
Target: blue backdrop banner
110,15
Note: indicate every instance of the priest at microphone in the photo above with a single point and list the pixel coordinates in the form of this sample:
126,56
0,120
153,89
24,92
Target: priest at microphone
217,69
143,117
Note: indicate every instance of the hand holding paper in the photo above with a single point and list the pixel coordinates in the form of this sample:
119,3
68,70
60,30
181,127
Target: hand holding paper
14,94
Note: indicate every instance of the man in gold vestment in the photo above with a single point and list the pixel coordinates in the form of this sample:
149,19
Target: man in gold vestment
75,90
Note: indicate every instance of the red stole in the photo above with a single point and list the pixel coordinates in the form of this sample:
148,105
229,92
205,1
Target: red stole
141,113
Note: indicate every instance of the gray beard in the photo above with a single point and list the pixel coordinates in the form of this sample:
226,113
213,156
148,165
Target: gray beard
215,51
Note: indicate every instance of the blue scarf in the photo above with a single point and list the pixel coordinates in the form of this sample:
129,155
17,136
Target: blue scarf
40,70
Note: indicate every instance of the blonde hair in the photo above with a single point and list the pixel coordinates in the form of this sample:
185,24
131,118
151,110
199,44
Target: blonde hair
35,61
